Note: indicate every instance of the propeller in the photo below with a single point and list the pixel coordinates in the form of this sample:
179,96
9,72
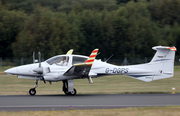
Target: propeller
39,70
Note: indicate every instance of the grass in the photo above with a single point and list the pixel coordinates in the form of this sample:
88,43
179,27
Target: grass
10,85
137,111
4,68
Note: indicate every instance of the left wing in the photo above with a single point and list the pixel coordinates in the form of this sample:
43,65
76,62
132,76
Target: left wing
82,69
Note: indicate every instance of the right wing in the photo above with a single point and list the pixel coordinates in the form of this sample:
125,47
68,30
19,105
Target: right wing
82,69
69,52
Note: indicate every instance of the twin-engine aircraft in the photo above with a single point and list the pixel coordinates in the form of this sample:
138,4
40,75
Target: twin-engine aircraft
68,67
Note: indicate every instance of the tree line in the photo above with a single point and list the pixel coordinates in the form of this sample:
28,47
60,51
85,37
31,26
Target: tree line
121,27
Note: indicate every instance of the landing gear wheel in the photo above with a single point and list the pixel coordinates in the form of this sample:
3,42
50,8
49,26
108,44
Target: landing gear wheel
66,92
32,91
72,93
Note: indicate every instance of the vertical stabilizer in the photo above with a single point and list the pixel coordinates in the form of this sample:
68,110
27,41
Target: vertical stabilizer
160,67
163,60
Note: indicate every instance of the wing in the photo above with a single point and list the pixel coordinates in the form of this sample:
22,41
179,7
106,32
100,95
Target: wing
82,69
69,52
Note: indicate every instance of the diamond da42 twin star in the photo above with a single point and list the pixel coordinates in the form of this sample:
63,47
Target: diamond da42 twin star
68,67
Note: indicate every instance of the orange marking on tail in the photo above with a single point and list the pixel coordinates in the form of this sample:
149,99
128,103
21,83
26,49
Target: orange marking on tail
172,48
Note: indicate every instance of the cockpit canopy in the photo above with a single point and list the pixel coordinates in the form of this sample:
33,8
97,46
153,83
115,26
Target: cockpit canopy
58,60
65,60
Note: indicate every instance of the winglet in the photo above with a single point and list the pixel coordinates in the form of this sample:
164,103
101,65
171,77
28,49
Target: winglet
91,58
69,52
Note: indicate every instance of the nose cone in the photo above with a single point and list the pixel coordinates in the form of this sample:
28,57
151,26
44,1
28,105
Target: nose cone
19,70
11,71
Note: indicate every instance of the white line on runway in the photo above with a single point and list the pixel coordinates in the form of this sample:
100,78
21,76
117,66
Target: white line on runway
82,106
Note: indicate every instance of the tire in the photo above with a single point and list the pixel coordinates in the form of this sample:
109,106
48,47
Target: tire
32,92
70,93
66,92
73,92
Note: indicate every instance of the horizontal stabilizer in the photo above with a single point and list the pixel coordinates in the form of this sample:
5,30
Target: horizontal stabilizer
163,53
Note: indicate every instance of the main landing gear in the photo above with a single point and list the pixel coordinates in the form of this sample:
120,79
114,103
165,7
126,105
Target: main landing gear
68,87
32,91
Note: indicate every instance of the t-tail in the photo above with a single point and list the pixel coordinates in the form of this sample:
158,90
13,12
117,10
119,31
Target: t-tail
161,66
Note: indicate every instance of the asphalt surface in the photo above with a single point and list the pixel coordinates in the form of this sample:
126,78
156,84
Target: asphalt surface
89,101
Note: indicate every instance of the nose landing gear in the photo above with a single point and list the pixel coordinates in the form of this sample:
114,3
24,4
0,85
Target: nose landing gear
32,91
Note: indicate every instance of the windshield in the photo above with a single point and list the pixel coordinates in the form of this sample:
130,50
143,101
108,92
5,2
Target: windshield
58,60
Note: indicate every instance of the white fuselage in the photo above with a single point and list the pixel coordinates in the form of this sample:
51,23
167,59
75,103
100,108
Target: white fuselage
52,71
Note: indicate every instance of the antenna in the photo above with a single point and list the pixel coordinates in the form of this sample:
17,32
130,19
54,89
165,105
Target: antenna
98,53
109,57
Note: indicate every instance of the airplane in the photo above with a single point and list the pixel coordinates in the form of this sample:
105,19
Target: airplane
68,67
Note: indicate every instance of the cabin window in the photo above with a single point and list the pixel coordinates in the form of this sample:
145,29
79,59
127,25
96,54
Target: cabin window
77,60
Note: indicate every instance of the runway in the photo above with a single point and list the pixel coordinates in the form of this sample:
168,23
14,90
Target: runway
89,101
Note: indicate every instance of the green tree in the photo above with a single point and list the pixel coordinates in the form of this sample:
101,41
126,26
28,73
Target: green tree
36,33
165,11
11,23
141,31
48,32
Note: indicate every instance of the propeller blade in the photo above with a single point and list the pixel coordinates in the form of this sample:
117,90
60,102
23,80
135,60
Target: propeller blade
33,57
39,53
39,70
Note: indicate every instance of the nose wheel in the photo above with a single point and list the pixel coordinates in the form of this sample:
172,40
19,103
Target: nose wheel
32,91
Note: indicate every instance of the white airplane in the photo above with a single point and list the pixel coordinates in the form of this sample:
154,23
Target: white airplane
68,67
